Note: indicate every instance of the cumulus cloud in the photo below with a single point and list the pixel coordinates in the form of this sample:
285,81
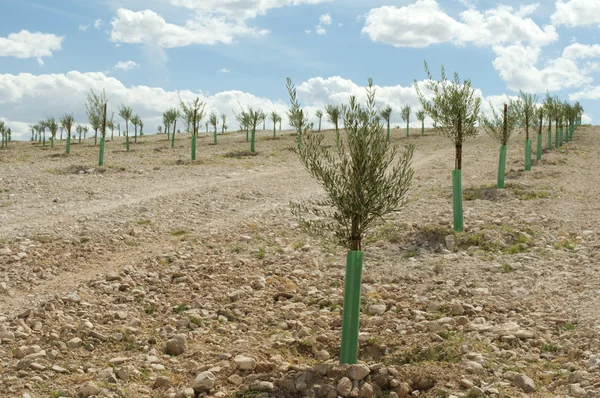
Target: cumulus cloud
98,23
424,23
147,26
576,13
581,51
83,28
55,94
27,44
239,9
126,65
224,70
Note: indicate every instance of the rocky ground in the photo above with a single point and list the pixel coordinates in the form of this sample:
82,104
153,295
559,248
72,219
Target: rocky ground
155,276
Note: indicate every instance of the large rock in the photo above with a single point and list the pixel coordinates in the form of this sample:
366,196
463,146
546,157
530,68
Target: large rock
344,387
524,383
204,381
176,345
244,362
358,371
88,389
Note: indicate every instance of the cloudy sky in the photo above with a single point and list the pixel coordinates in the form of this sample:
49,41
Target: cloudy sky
239,52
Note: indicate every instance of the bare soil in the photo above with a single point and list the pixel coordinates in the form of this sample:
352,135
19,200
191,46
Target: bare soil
152,245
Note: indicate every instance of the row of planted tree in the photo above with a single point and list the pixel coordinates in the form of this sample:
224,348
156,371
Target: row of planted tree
364,179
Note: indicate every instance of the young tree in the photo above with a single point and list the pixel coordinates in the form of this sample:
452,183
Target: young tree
540,111
254,117
166,123
333,116
364,180
32,129
386,114
406,116
223,123
500,127
3,135
421,117
135,120
110,123
274,116
94,107
214,121
141,126
103,137
85,131
43,126
67,121
126,113
549,110
173,115
193,112
526,107
53,127
454,109
319,114
279,120
263,119
297,118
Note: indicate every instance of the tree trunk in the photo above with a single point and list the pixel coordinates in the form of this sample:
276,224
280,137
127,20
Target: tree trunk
459,140
355,235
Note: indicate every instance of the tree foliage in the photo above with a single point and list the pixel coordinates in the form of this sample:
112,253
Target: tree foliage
362,176
494,125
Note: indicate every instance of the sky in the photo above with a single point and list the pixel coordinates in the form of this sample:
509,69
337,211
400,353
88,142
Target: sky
230,53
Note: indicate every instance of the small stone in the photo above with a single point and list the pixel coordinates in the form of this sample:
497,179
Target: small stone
358,371
524,383
176,345
377,309
466,383
403,390
576,391
476,392
74,343
474,367
344,387
266,386
524,334
244,362
59,369
236,380
162,381
204,381
366,391
450,242
88,389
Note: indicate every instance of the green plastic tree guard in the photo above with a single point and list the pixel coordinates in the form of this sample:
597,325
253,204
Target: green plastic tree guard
44,140
274,130
52,142
215,135
193,146
101,157
252,140
127,142
556,134
96,138
246,134
550,138
539,147
173,139
407,134
351,315
527,155
389,136
79,138
135,135
501,168
457,207
422,127
68,148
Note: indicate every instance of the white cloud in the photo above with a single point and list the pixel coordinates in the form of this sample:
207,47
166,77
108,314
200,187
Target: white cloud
581,51
83,28
98,23
576,13
55,94
307,31
147,26
424,23
27,44
239,9
224,70
325,19
590,92
517,67
126,65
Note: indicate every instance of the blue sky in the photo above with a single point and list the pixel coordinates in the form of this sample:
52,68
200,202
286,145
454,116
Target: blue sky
143,52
